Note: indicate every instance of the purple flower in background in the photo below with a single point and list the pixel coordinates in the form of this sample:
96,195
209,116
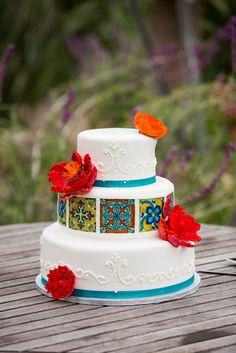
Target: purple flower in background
168,160
222,78
183,163
8,53
187,156
87,50
76,46
230,148
133,112
66,111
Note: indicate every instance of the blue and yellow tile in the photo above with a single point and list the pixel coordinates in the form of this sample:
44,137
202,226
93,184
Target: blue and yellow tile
172,197
61,212
150,214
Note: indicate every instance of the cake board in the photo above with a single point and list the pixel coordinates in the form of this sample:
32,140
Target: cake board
147,300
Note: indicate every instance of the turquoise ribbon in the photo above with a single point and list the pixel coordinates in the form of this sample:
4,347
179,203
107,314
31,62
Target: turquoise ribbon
134,294
124,183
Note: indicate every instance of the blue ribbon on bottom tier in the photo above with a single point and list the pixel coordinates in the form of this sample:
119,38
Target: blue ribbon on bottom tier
134,294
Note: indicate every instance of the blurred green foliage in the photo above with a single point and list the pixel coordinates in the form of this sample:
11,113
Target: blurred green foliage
27,156
93,47
41,29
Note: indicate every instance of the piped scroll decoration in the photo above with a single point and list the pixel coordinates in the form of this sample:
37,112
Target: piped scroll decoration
116,276
115,156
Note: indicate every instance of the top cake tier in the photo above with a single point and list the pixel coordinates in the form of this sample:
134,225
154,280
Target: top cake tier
120,155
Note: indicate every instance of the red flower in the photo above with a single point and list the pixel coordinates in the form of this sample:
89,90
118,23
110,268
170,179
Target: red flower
177,227
61,282
72,178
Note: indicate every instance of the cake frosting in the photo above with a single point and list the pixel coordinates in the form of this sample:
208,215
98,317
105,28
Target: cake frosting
109,237
119,154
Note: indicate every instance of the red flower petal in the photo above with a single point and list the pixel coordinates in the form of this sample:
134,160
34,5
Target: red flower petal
183,224
76,157
61,281
73,178
163,229
179,229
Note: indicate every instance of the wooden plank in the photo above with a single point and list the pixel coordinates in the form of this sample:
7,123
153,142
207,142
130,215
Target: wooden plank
19,281
38,307
34,308
189,304
64,326
85,312
22,341
151,345
151,341
12,305
18,289
214,258
20,268
224,349
17,262
14,228
173,318
27,233
203,346
27,248
26,273
25,265
206,288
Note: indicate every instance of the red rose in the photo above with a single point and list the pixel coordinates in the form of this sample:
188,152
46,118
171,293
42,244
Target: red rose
61,282
177,227
72,178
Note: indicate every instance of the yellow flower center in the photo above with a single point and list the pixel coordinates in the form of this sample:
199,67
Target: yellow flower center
71,169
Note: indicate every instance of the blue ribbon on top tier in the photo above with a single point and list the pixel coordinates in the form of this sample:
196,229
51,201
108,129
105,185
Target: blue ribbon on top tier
124,183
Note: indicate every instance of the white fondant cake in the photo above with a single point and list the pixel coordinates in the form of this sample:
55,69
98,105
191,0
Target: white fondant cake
119,154
109,237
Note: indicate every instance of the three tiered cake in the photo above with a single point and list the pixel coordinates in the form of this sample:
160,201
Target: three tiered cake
117,238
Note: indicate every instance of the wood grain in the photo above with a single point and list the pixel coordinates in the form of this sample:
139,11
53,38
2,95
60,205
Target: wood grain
29,321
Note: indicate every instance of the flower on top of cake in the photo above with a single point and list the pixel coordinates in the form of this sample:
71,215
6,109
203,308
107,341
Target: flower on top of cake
150,126
74,177
177,227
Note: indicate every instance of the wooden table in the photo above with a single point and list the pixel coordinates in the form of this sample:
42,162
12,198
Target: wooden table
29,321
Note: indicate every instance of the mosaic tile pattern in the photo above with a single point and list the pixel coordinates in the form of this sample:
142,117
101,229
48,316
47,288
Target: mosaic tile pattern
150,213
61,211
82,214
117,216
171,196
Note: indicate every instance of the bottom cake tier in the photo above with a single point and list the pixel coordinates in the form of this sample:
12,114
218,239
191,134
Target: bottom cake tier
118,270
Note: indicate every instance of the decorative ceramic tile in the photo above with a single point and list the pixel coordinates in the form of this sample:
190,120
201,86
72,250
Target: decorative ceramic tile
61,211
116,216
82,214
150,213
171,196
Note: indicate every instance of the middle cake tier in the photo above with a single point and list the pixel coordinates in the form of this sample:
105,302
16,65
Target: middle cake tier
104,211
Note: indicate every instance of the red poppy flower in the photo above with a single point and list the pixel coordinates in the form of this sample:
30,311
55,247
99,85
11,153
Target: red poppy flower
61,282
72,178
177,227
150,126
